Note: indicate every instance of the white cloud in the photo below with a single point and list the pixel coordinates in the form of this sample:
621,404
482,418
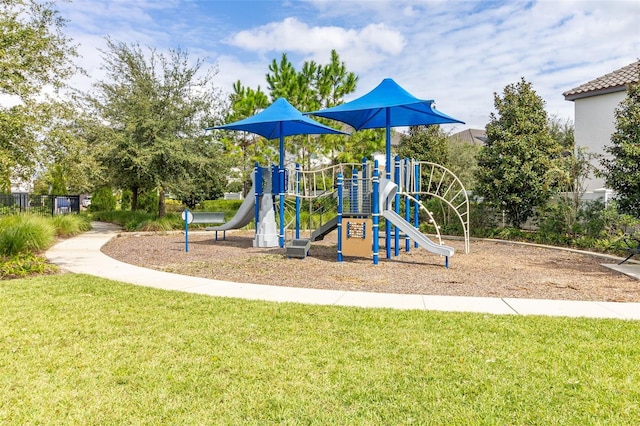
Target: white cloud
364,47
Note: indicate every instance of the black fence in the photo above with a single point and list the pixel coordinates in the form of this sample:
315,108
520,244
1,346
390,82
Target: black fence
43,205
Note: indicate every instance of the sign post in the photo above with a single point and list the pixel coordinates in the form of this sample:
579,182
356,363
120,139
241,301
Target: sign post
187,216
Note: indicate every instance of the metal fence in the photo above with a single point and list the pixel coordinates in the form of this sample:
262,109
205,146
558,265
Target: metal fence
43,205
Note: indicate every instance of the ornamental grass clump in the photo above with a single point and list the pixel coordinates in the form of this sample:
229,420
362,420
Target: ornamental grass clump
70,225
25,234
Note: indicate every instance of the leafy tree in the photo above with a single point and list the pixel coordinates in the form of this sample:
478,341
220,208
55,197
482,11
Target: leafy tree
622,170
103,200
562,131
157,108
462,161
516,167
361,144
34,55
244,148
425,143
313,87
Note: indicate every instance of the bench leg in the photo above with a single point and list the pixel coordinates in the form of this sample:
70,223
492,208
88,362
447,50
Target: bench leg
628,257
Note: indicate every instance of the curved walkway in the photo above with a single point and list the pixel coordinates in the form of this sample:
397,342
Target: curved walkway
82,254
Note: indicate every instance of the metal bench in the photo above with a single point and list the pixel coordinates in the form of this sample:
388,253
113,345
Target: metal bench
633,247
210,218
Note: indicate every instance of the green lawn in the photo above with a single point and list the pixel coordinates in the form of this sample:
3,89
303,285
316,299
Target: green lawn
75,349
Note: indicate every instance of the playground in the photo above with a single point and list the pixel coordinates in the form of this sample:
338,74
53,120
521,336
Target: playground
490,269
368,213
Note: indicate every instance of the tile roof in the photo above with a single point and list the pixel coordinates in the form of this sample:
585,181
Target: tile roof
471,136
613,82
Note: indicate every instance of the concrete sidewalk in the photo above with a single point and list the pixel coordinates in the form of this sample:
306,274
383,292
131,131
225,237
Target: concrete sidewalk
82,254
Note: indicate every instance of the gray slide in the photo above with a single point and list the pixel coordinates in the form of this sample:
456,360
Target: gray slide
326,227
417,236
388,190
244,215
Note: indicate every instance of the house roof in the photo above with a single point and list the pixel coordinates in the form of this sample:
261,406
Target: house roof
615,81
471,136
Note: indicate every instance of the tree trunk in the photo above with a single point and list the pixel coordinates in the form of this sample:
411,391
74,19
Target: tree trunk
134,198
162,210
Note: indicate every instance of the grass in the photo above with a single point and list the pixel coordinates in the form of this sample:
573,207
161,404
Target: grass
25,233
77,349
70,225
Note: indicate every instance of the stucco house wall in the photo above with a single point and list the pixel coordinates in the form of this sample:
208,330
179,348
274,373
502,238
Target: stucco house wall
595,103
594,125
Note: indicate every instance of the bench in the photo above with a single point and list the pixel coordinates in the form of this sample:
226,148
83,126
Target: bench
633,247
210,218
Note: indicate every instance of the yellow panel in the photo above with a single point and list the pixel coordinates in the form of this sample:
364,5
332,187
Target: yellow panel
357,237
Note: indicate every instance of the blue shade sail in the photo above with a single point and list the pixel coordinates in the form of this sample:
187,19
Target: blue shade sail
278,120
388,105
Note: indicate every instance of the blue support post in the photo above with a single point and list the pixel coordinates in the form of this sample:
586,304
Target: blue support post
186,230
416,181
396,178
281,182
407,202
387,168
376,213
257,183
298,201
340,188
364,188
355,205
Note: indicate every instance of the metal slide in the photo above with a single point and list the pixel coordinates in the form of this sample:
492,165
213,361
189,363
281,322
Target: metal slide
326,227
244,215
388,190
417,236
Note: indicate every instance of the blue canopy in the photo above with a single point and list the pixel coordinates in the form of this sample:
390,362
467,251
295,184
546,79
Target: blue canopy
370,111
388,105
278,120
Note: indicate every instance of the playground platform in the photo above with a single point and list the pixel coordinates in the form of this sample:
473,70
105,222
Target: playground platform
82,254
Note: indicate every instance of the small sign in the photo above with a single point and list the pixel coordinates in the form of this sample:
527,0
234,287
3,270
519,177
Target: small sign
187,216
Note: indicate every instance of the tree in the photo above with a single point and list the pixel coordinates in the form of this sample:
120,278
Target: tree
622,171
425,143
34,55
157,108
463,161
244,148
312,88
516,166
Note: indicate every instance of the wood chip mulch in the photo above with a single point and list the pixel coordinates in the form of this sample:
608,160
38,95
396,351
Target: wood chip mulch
491,269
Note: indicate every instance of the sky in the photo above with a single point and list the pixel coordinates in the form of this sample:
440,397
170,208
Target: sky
458,53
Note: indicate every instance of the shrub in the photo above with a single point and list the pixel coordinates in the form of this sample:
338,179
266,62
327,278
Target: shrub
70,225
125,199
129,219
24,264
167,223
103,200
221,205
25,233
148,201
173,206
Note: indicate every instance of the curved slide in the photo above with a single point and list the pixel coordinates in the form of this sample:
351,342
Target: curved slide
244,215
388,190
